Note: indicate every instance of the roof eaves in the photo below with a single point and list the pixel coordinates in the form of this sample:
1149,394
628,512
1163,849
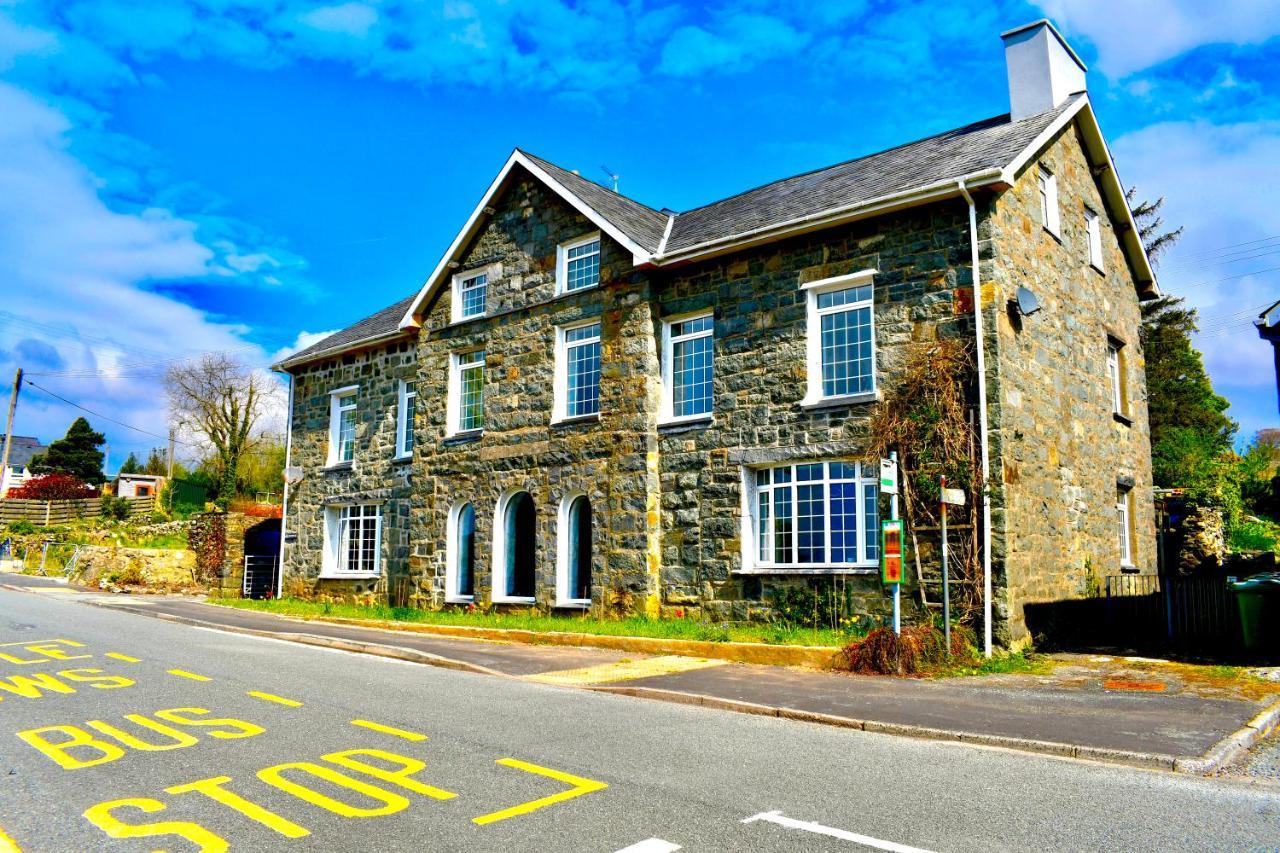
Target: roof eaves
308,356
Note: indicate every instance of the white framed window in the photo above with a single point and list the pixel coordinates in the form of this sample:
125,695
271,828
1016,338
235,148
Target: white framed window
470,295
1093,232
466,392
1115,375
688,346
353,541
342,425
405,411
460,553
574,536
577,381
1124,515
812,516
1048,201
841,350
578,264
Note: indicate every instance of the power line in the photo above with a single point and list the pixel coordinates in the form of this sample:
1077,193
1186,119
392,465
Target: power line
1207,252
105,418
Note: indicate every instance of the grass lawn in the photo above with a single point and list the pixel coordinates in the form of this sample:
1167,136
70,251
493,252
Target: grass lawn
671,629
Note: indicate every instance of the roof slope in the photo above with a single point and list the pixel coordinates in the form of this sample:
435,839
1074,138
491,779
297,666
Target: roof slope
993,143
382,324
24,447
639,222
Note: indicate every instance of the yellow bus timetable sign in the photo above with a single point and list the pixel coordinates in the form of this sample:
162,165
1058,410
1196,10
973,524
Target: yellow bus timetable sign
891,551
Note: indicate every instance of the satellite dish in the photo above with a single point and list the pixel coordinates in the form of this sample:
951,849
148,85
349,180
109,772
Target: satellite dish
1028,304
293,475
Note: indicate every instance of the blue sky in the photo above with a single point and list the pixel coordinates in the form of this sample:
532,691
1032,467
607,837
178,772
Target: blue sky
182,176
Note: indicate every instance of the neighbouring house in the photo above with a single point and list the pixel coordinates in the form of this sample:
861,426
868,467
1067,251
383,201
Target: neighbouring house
592,400
138,485
24,448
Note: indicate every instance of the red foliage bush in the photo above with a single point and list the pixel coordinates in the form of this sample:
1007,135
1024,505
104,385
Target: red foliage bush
883,652
53,487
257,510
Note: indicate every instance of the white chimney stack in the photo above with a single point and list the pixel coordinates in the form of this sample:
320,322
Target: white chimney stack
1043,69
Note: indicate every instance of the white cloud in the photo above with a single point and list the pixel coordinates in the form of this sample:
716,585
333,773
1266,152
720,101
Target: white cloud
740,41
304,340
353,19
1131,35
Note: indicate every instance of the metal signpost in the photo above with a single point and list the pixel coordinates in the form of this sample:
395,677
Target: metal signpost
891,538
956,497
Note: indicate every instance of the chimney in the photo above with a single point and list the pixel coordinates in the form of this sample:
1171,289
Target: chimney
1043,69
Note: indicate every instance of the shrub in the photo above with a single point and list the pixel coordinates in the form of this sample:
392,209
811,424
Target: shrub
115,508
22,527
918,649
53,487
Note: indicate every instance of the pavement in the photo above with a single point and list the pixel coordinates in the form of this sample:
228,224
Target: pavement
132,733
1093,710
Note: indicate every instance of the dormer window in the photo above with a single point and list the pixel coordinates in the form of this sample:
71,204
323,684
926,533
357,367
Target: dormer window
578,264
470,291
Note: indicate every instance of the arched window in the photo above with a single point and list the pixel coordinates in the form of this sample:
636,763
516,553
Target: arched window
573,576
515,550
460,574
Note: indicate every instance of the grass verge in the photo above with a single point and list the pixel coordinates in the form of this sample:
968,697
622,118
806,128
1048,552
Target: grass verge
669,629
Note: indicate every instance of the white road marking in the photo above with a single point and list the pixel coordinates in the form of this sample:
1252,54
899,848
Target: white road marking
651,845
844,835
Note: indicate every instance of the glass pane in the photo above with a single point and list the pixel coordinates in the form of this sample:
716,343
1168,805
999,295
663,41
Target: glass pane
579,540
582,267
691,377
692,327
844,470
844,522
835,298
410,405
466,567
346,434
812,471
810,518
762,523
782,526
762,477
846,352
471,404
782,475
871,520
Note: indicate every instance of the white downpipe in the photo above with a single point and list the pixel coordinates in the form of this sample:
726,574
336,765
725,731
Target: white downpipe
982,421
284,493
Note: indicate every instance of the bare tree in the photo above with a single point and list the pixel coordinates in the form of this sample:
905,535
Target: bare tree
219,399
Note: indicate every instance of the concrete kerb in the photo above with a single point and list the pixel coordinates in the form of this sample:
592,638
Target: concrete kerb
1233,745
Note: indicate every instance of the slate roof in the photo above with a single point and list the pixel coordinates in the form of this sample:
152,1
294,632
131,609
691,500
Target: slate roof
24,447
993,143
383,323
642,224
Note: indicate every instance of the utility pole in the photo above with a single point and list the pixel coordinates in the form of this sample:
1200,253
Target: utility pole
169,468
8,426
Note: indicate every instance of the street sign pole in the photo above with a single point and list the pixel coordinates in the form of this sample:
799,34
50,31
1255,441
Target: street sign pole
893,515
946,580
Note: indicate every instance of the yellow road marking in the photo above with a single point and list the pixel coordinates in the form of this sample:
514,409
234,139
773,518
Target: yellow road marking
271,697
124,658
579,786
7,844
28,643
182,673
388,730
624,670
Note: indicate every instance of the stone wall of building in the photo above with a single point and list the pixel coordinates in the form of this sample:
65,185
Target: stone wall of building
1058,452
610,459
374,476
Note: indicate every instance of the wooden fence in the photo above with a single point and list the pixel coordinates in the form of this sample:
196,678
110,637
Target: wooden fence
60,512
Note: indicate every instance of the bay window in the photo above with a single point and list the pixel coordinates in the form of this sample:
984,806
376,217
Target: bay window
814,515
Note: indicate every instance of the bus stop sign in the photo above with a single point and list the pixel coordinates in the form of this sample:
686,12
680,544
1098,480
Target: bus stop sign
891,551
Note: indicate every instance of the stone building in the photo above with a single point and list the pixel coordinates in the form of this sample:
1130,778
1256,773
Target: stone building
592,402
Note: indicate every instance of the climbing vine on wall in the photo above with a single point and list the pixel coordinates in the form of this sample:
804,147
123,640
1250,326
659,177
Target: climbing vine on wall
207,537
927,418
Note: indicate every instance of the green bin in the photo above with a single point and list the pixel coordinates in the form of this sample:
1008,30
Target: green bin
1258,598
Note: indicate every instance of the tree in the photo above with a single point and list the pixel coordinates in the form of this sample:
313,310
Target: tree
76,454
1146,214
219,399
131,465
157,462
262,467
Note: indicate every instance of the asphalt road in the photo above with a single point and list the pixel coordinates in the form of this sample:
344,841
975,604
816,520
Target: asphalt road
118,764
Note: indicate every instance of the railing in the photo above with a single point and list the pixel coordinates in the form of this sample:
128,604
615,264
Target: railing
259,576
1190,615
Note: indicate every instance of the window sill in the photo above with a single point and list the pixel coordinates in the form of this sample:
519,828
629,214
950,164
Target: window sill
458,321
1099,270
462,437
402,458
810,570
576,419
1054,234
460,599
573,604
814,405
1129,569
673,425
346,576
1122,419
564,291
335,467
514,599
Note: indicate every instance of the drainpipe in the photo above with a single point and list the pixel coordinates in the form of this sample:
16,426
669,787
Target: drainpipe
284,498
982,421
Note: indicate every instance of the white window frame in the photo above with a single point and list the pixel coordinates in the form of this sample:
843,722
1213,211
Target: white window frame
868,475
813,343
560,383
1115,374
562,262
334,550
458,361
337,406
666,413
451,593
564,552
404,424
1093,234
459,280
1048,190
1124,517
499,571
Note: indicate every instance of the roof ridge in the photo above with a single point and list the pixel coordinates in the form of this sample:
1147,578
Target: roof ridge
987,121
622,196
